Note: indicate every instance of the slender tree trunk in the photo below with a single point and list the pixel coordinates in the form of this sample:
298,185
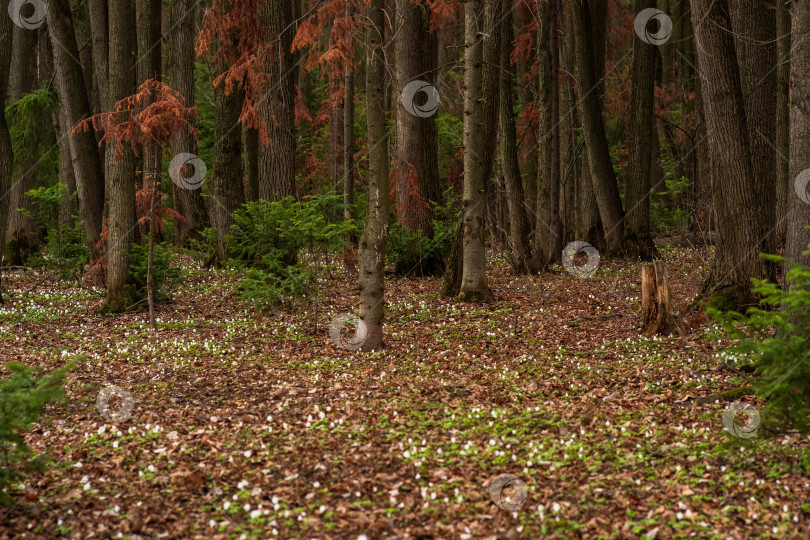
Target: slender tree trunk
518,219
798,236
121,168
147,14
6,151
639,241
227,194
784,186
375,235
548,230
348,139
66,176
605,187
189,202
417,172
277,112
474,286
88,167
736,258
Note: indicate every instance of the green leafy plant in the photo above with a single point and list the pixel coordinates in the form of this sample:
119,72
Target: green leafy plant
778,343
22,397
164,273
266,240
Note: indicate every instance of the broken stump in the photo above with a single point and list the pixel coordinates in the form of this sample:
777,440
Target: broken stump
656,304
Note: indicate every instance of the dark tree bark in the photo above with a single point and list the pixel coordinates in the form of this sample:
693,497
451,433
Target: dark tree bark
6,151
784,185
66,175
755,24
101,49
147,15
251,143
518,219
181,39
121,168
474,286
88,167
639,241
348,138
736,258
798,236
336,128
375,235
227,194
548,230
277,112
602,174
417,171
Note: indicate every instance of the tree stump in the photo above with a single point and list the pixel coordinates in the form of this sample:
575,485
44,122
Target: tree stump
656,305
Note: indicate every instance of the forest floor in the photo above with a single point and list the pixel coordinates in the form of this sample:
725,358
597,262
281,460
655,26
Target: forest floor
251,424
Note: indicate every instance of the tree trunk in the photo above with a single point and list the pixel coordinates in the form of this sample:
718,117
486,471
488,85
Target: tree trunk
784,186
277,112
548,230
375,235
227,194
798,236
755,26
6,151
656,304
251,164
348,140
121,168
67,178
518,219
417,172
639,241
87,165
736,258
189,202
605,188
474,286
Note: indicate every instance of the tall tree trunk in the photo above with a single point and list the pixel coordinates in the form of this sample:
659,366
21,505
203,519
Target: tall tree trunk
227,194
66,175
6,151
474,286
548,230
189,202
639,241
417,172
784,186
348,137
798,236
335,105
605,187
88,167
251,144
375,235
277,112
121,168
755,24
518,219
21,232
491,35
736,258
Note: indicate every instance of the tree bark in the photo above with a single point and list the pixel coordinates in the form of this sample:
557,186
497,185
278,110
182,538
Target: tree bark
227,194
798,236
784,186
603,177
66,175
417,172
639,241
87,165
6,151
121,168
348,139
736,258
474,286
518,219
375,235
147,15
277,112
656,303
189,202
